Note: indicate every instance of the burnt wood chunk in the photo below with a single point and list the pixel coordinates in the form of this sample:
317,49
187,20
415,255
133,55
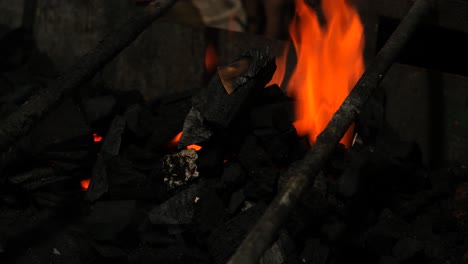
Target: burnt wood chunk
223,240
229,93
229,74
262,174
99,184
180,209
194,130
98,108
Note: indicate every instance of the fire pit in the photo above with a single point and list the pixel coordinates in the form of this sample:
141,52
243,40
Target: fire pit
258,162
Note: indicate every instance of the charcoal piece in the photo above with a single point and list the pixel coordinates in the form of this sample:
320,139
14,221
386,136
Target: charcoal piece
109,252
334,230
388,260
218,107
132,116
21,93
113,138
314,252
180,209
262,175
16,47
166,122
65,155
272,94
141,158
279,145
179,168
108,219
99,183
125,182
382,236
237,199
407,248
98,108
37,178
170,254
348,183
195,131
233,175
229,74
210,212
210,160
142,121
225,239
65,166
50,199
279,251
63,124
33,175
252,155
278,115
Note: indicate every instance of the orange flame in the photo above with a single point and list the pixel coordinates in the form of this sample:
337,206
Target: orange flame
85,184
329,63
280,72
194,147
96,137
211,58
175,140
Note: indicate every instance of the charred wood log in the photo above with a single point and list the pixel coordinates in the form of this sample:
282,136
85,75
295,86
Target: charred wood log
230,92
20,122
302,174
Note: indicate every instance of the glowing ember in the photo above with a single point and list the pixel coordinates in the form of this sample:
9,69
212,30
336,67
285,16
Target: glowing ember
174,141
194,147
211,58
329,63
85,184
96,137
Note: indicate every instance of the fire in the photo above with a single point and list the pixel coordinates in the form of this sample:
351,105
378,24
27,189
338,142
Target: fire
85,184
194,147
211,58
329,63
280,72
96,137
175,140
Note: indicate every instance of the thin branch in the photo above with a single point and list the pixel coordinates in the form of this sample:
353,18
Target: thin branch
19,123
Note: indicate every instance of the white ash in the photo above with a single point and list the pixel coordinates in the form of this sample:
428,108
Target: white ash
180,168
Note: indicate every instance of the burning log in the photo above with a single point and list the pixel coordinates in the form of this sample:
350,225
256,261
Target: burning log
304,172
21,122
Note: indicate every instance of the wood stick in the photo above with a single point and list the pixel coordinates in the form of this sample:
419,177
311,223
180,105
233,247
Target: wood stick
19,123
303,173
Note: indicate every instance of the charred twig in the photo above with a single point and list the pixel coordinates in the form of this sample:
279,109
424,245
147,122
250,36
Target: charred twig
20,122
99,184
304,172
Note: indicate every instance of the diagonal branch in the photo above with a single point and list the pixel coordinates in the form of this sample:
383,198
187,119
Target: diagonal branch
19,123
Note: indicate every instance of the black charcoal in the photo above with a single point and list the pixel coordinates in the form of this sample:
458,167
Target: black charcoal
180,209
98,108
